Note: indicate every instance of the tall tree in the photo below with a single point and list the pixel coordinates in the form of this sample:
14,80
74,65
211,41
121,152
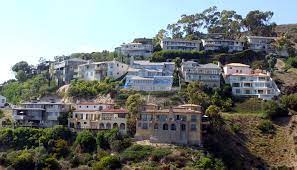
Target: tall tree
258,23
229,23
175,31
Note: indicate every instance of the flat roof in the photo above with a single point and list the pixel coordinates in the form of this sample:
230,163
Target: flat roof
237,64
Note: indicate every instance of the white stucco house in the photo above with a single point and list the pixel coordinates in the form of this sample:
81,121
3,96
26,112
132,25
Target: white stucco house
247,82
100,70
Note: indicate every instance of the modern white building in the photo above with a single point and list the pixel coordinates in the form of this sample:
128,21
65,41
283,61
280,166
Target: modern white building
208,74
149,76
100,70
218,44
179,44
258,43
135,49
248,82
2,101
98,116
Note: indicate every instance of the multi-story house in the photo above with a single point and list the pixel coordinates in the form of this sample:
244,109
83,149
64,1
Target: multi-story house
179,44
248,82
39,114
149,76
2,101
177,125
98,116
258,43
213,44
208,74
66,70
101,70
139,47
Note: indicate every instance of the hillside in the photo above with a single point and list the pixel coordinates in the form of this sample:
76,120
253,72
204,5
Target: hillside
291,29
248,147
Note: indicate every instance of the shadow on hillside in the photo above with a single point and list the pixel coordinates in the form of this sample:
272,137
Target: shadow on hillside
282,121
232,150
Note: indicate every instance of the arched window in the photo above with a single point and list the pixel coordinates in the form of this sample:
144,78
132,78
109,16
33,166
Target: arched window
165,126
115,125
108,126
173,127
101,126
122,126
156,126
183,127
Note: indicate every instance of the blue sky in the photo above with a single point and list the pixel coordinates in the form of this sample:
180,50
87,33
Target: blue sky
44,28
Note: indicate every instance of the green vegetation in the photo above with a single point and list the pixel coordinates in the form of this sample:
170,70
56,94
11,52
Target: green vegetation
291,62
289,101
272,110
196,93
250,105
38,86
89,89
227,22
266,126
162,56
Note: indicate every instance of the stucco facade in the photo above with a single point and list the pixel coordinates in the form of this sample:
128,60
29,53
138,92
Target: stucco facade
177,125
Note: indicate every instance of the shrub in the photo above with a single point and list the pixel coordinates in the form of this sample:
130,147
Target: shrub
292,62
86,141
81,88
108,162
159,153
61,148
164,55
136,153
51,163
289,101
235,128
119,145
21,160
273,110
6,138
266,126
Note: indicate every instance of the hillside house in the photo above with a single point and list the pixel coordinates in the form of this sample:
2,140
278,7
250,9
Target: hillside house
248,82
176,125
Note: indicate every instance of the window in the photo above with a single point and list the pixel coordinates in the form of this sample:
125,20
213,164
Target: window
183,127
193,118
100,107
173,127
108,126
193,127
156,126
237,91
165,126
139,124
144,126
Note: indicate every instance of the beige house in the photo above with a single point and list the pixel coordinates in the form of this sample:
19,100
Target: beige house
98,116
177,125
